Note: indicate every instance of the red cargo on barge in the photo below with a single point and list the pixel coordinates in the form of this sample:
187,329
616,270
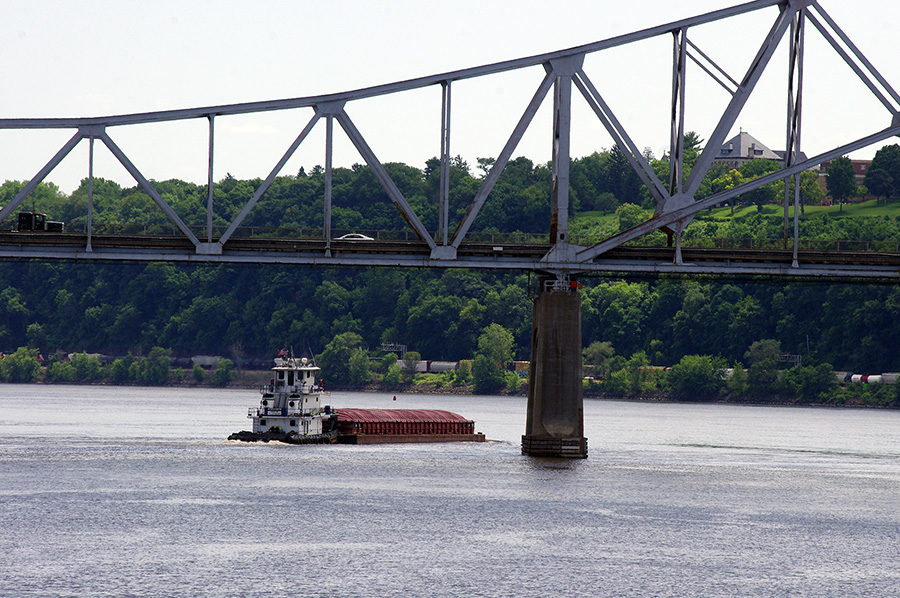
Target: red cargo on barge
380,426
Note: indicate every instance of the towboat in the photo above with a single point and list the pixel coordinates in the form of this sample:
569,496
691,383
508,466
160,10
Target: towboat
291,404
290,410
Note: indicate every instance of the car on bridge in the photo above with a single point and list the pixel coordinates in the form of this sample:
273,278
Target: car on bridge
354,237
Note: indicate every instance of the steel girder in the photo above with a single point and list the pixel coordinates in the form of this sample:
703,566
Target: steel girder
675,202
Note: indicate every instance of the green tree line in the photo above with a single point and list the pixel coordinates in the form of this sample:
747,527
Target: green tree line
121,309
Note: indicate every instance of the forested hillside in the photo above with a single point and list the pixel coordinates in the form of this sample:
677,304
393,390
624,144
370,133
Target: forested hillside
254,310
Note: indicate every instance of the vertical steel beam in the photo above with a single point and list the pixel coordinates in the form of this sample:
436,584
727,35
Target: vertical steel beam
209,183
794,120
329,151
676,145
90,213
444,192
564,70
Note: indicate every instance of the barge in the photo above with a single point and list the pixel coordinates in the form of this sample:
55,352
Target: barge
291,410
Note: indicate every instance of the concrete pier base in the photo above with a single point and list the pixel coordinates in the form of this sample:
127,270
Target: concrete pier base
555,423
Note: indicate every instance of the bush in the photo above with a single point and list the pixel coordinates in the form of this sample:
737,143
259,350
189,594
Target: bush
120,369
697,377
21,366
224,372
513,382
808,383
87,367
392,375
388,360
463,373
487,375
154,369
198,373
410,361
360,372
61,371
738,384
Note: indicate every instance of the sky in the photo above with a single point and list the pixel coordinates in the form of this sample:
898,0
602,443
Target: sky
101,58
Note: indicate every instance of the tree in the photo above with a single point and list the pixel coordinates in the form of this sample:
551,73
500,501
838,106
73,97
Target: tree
36,336
767,194
738,384
596,357
154,369
879,182
388,360
224,372
763,357
392,375
885,169
697,377
494,350
629,215
119,370
61,371
86,367
197,373
335,359
624,181
410,363
21,366
463,373
809,383
630,376
811,193
840,179
360,372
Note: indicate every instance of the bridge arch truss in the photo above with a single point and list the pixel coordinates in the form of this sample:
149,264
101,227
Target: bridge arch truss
564,77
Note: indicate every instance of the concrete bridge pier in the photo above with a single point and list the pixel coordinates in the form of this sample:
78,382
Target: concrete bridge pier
555,423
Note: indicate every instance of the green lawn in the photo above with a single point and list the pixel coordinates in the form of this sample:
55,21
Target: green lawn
866,209
863,209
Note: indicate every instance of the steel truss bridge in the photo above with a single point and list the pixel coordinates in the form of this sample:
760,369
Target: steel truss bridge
564,74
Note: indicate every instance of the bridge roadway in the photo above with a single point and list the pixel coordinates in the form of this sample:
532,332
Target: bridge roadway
622,260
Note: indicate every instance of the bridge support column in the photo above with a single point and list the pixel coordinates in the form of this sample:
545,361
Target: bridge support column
555,423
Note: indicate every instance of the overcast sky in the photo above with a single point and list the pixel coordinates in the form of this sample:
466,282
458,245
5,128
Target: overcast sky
99,58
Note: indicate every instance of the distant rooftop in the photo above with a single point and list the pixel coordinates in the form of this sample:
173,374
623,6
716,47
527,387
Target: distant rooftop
744,147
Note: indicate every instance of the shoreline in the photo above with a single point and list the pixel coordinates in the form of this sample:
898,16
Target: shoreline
253,379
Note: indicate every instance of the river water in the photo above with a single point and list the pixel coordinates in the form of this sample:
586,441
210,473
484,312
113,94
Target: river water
110,491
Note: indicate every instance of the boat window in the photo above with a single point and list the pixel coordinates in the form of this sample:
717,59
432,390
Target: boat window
291,378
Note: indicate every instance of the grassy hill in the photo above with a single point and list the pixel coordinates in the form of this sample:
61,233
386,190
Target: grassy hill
864,209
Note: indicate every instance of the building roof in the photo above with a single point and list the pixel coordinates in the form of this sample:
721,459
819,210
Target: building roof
745,146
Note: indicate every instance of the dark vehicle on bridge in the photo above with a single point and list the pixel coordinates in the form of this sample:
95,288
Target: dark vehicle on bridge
36,221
